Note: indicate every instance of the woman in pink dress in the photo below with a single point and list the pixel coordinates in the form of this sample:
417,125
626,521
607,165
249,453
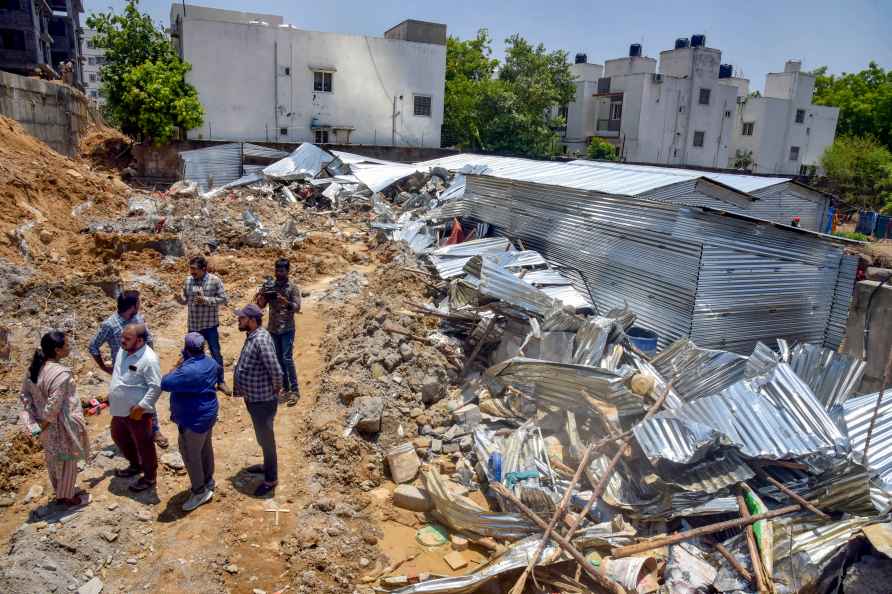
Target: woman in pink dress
53,410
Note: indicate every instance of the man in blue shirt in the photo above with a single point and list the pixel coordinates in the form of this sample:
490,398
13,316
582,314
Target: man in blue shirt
193,407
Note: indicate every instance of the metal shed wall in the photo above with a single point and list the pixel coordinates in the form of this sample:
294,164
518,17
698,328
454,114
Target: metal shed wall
214,166
784,201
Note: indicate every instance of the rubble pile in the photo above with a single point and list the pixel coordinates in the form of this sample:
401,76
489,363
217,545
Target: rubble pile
685,469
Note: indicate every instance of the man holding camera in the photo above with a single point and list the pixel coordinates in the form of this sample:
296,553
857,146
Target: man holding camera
283,298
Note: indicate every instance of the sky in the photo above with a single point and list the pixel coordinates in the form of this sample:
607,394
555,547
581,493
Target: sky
756,36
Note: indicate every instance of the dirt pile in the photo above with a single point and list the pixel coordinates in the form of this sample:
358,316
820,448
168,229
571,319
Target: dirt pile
106,148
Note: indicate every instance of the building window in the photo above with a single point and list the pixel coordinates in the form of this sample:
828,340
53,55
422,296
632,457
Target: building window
12,39
727,113
800,116
794,153
616,111
90,44
564,112
321,136
704,96
698,138
92,77
422,105
283,131
748,128
322,81
94,93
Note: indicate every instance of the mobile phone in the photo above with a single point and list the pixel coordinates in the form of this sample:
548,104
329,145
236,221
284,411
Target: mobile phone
132,368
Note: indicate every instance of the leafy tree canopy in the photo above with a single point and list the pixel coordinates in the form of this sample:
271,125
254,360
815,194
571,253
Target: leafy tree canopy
859,170
864,100
601,149
143,79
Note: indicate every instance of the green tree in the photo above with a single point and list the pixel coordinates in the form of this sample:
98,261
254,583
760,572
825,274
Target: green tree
505,108
864,100
601,149
143,79
859,170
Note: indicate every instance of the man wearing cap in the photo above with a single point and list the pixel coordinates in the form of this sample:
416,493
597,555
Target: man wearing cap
258,379
193,407
283,298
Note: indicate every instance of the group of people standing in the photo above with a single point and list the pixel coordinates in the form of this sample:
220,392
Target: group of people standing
263,374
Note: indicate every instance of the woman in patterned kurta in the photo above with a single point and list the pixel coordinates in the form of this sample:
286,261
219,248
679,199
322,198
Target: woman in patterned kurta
50,401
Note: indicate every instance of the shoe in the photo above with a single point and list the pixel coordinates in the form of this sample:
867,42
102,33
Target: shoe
198,499
264,488
292,398
141,485
160,440
210,485
128,472
255,469
224,388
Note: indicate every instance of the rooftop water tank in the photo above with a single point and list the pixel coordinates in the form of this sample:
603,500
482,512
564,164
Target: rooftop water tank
581,58
698,40
635,50
726,71
682,42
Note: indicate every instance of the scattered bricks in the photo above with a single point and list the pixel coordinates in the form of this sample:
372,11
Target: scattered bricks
451,448
455,560
458,543
412,498
468,416
446,467
370,410
403,463
421,443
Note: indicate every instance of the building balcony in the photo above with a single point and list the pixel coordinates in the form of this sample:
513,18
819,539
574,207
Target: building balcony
608,128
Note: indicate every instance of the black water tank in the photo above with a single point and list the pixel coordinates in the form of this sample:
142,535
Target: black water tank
682,42
725,71
635,50
698,40
581,58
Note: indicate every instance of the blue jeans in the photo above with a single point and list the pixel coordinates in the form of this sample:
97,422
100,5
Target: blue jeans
212,337
284,344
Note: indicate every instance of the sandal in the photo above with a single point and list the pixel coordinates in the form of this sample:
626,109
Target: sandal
160,440
141,485
80,499
128,472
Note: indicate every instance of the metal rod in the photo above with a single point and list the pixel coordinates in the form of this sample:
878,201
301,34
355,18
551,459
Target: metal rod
663,541
792,494
479,345
730,558
589,569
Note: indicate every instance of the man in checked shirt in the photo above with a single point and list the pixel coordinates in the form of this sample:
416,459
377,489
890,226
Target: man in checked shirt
203,294
258,379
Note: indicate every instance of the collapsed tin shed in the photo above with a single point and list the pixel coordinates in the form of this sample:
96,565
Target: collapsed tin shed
725,280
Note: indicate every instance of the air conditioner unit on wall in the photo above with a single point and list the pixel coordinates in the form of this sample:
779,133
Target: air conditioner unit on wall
657,78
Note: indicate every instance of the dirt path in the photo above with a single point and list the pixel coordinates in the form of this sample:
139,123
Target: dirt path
173,551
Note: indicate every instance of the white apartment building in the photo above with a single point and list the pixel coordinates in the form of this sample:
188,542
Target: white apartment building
260,79
689,110
94,58
781,131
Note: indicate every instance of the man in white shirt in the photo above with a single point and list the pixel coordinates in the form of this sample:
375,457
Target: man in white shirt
134,390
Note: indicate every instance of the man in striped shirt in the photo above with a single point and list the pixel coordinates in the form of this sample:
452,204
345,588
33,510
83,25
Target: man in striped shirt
258,379
110,333
203,294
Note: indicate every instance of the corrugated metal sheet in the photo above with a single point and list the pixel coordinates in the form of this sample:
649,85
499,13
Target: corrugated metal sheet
784,201
305,161
842,297
474,247
857,414
832,376
696,372
772,416
255,150
570,386
213,166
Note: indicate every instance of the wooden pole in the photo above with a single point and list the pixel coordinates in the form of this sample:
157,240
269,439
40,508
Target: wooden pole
735,563
756,560
655,543
605,478
791,494
489,328
593,573
887,375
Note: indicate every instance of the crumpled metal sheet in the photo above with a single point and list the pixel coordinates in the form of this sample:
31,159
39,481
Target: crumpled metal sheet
379,177
772,416
720,471
696,372
305,161
832,376
474,247
517,556
460,513
573,387
497,283
569,296
857,413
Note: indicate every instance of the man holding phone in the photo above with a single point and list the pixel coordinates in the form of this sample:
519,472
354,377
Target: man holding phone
134,390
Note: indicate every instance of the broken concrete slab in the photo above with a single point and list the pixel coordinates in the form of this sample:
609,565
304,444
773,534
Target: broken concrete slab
412,498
